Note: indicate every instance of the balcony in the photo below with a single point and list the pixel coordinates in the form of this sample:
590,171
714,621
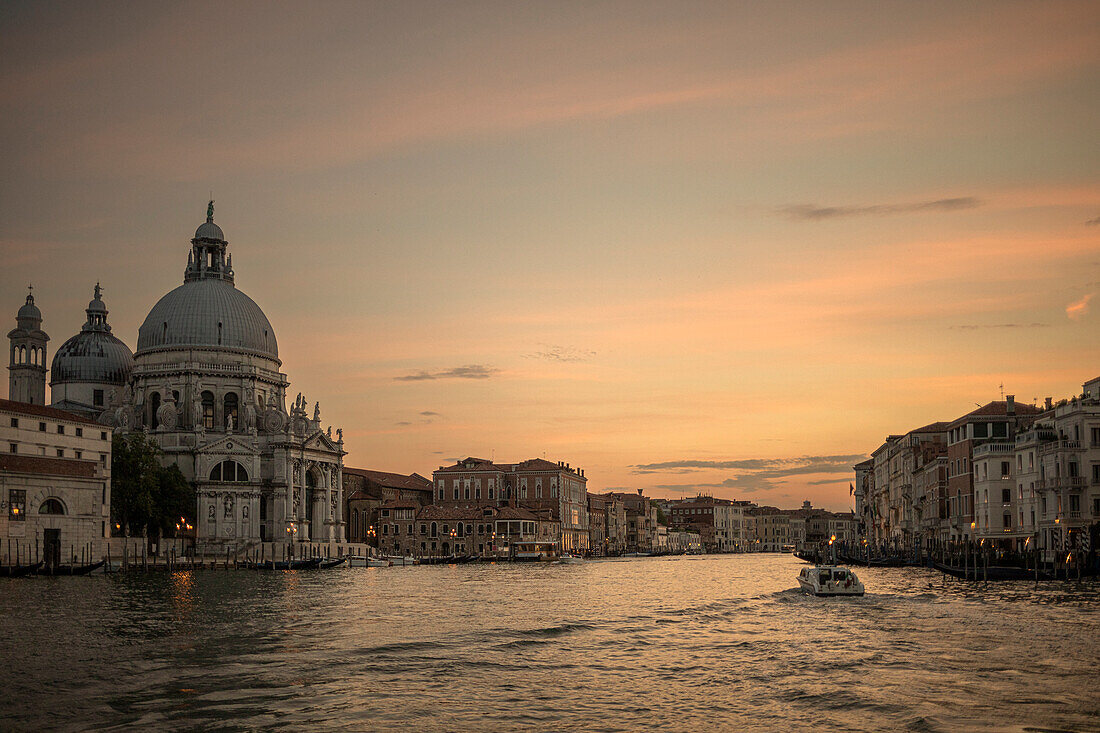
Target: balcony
988,449
1060,445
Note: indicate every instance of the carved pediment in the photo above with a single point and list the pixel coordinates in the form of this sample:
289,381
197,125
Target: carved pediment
319,441
239,445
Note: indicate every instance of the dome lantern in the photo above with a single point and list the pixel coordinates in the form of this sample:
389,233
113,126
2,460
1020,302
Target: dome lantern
207,257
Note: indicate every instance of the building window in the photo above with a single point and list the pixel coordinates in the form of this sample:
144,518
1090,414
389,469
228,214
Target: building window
51,506
230,471
60,452
15,422
154,408
80,432
97,398
230,410
17,505
208,410
103,435
60,429
41,427
78,454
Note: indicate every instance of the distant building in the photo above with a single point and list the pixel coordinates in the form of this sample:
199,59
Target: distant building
368,490
719,522
536,484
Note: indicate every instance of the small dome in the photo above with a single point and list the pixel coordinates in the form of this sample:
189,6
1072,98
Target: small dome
92,356
210,230
209,314
29,310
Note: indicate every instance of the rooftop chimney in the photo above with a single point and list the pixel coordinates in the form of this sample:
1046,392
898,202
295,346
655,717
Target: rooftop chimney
639,492
1010,404
1049,403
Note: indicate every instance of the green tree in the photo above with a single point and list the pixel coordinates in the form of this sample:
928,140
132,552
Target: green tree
146,497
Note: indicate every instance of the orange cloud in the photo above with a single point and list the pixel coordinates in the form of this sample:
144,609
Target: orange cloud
1079,308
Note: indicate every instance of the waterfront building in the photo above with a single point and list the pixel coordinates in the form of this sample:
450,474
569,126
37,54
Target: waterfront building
641,521
55,476
719,522
367,491
486,531
611,512
535,484
1068,485
891,501
772,527
996,422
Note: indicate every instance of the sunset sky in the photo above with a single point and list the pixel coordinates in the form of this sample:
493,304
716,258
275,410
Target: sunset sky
688,247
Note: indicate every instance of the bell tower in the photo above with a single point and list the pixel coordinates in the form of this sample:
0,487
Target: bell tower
27,366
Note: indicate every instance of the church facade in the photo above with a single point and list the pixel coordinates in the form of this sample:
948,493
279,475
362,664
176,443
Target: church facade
206,383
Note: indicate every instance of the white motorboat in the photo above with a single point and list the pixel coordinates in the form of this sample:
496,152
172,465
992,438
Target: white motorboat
401,559
571,559
830,580
359,561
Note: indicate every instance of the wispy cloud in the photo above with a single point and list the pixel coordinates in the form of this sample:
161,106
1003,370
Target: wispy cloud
977,326
470,371
1079,308
429,413
812,212
561,353
1093,222
755,474
753,464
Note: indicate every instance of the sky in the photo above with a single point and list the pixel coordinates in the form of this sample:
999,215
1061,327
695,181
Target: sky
689,247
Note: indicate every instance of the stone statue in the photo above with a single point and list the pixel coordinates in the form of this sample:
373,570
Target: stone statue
249,417
228,506
332,505
316,412
212,514
210,210
112,398
196,412
329,431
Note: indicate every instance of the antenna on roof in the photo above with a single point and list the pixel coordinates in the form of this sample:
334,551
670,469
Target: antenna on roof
1002,391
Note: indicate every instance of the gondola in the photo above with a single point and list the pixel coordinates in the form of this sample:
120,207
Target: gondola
18,571
311,564
993,572
71,569
326,564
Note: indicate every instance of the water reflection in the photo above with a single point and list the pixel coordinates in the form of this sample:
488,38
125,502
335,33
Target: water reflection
711,642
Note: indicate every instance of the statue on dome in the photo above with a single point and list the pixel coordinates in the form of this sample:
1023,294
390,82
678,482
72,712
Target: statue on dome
210,211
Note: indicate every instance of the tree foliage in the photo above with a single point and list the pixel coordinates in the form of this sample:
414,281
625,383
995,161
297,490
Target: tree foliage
146,497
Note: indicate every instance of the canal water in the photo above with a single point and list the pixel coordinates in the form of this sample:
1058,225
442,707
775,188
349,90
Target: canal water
689,643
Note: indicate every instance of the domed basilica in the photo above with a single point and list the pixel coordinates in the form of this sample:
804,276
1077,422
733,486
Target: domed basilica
205,383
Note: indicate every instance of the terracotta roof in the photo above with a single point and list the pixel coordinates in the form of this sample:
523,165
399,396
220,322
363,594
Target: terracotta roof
432,511
516,512
999,409
47,466
391,480
936,427
399,505
24,408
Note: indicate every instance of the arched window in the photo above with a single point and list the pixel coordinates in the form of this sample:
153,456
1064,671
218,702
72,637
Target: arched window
154,405
311,484
21,355
208,410
51,506
228,471
230,413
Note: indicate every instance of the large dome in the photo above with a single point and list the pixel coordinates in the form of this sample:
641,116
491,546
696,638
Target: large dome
92,356
208,313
